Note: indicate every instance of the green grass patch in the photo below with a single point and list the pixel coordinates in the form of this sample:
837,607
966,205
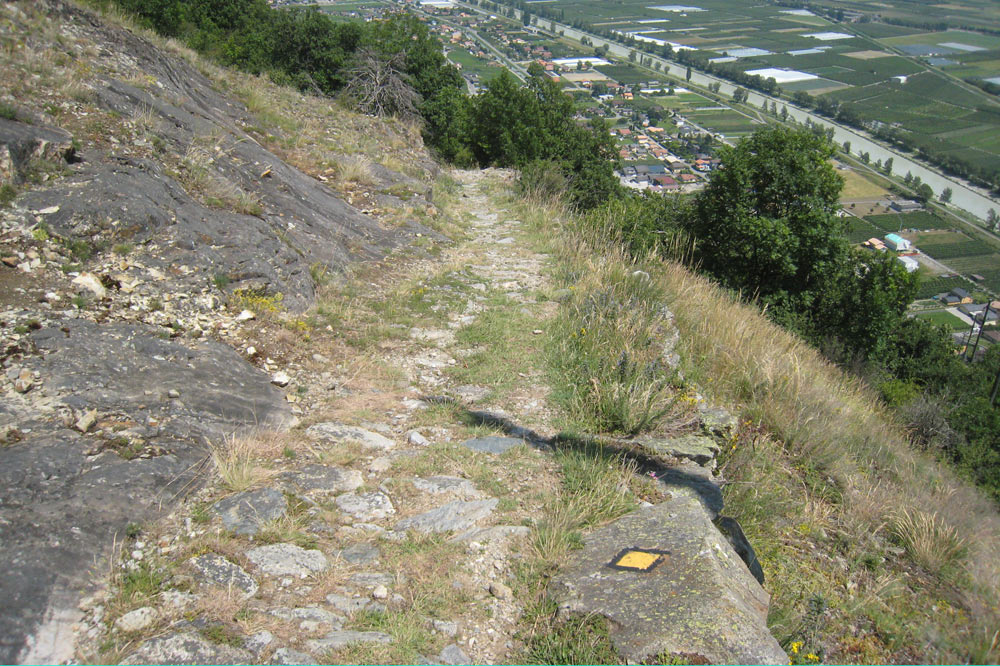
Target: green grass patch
502,333
950,249
944,318
920,220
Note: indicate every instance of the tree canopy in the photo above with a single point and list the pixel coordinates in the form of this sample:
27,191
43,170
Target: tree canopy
767,226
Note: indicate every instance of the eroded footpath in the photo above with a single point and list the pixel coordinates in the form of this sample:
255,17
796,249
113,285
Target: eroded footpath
400,515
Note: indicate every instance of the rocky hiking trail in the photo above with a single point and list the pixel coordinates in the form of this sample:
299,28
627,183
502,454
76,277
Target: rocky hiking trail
390,518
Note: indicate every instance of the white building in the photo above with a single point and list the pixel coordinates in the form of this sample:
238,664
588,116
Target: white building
909,263
898,243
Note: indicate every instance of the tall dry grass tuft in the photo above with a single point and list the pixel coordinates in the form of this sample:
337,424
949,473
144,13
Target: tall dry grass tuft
932,544
355,169
240,459
611,346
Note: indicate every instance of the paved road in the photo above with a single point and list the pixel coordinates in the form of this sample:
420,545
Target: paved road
964,196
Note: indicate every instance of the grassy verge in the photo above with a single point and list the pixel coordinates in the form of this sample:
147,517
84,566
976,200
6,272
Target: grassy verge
873,552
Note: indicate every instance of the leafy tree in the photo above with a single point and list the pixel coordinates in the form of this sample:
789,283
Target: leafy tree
862,304
514,125
446,126
803,99
766,226
765,223
887,167
687,76
945,196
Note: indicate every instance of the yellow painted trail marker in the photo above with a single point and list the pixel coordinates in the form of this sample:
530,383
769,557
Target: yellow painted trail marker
641,560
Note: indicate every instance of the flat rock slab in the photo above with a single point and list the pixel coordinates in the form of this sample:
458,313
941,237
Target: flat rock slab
697,600
696,448
360,553
186,648
451,517
495,533
310,617
287,559
317,479
336,640
471,392
366,506
694,481
289,657
349,605
452,485
246,512
106,368
338,433
216,570
717,421
453,655
371,580
494,445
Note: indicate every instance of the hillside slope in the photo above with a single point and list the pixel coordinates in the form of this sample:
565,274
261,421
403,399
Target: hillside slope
302,398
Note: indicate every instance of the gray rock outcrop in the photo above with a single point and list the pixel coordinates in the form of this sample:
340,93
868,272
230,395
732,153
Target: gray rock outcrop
685,593
287,559
451,517
186,648
245,513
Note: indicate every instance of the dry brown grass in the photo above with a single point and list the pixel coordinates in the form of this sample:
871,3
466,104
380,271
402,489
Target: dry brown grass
245,460
824,480
931,543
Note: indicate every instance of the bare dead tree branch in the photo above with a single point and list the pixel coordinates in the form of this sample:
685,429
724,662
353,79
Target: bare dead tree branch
380,87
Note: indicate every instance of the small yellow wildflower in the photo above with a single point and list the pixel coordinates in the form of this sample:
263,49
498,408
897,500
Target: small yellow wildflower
812,657
796,646
583,331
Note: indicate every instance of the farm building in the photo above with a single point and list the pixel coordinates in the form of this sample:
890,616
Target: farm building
962,295
898,243
905,206
975,312
909,263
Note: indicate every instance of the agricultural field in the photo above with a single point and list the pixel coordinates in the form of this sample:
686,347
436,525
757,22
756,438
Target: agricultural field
856,64
932,286
858,231
627,75
471,64
944,318
727,122
858,187
683,102
919,220
963,254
